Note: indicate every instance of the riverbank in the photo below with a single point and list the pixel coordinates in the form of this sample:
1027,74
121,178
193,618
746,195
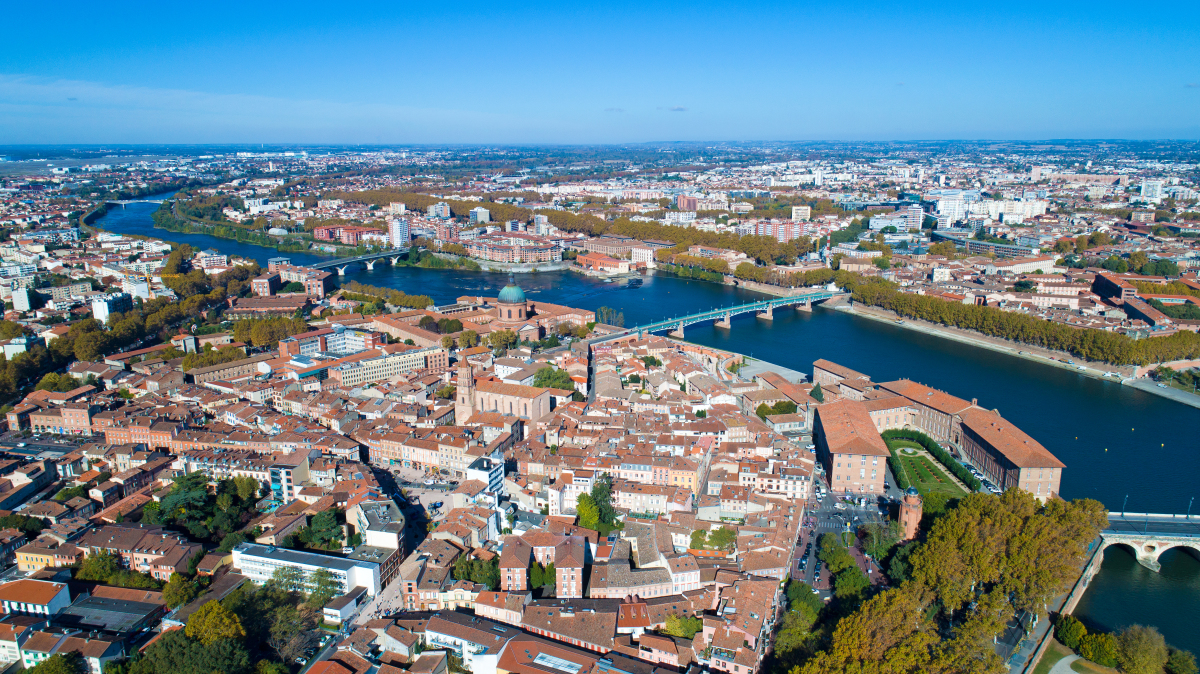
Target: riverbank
1037,354
1057,359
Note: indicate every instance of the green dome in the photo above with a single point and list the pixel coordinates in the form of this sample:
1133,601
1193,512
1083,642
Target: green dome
511,294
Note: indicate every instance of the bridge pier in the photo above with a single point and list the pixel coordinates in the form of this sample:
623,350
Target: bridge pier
677,332
768,315
804,306
342,270
723,322
370,264
395,261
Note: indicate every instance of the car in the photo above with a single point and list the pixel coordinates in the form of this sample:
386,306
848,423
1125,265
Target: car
347,550
21,444
428,482
301,661
437,505
1080,367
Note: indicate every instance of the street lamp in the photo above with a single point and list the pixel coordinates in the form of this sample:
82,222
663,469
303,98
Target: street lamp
1123,505
1189,514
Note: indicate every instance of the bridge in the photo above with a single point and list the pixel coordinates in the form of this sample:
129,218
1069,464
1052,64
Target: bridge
368,260
1151,534
721,316
124,202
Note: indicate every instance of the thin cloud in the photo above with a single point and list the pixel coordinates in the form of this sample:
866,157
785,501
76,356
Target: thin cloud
678,108
614,109
1192,85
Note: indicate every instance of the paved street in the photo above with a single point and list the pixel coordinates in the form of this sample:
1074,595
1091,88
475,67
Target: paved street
825,516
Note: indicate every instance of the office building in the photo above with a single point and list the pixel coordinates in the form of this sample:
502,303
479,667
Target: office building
801,213
480,215
259,562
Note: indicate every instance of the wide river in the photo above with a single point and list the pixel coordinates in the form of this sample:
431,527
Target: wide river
1116,441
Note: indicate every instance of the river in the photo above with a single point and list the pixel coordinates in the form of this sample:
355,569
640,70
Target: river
1115,440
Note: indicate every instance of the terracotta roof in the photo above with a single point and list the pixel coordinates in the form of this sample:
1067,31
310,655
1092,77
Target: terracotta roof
1010,441
28,591
930,397
848,429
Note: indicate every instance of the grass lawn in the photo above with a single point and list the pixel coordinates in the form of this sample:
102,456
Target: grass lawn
1089,667
1054,652
927,476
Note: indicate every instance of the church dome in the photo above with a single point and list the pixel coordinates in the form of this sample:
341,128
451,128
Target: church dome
912,491
511,294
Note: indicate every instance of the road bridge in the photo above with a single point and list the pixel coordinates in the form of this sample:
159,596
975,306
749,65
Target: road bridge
1151,534
368,260
721,317
124,202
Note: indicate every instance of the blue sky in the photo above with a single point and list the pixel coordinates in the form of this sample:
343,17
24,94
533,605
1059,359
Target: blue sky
465,72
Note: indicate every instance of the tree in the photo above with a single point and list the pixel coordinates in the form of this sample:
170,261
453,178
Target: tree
61,663
879,539
1141,650
1069,631
322,587
179,590
325,530
212,623
289,578
1100,649
723,538
293,287
551,576
701,414
699,539
175,653
550,377
685,627
589,514
602,497
817,394
502,339
98,567
1181,662
447,342
850,584
247,487
231,541
468,339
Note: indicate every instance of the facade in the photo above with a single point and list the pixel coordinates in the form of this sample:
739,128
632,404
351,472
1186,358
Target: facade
259,562
854,455
1007,456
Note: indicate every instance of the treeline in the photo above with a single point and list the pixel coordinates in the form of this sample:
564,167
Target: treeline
242,233
267,331
397,298
765,249
936,450
1097,345
499,212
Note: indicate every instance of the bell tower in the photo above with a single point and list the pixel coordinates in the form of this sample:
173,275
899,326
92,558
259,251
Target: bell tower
464,399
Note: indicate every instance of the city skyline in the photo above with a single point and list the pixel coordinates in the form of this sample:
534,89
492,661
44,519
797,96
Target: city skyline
617,74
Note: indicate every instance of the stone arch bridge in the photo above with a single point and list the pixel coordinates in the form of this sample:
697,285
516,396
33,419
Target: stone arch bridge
1149,535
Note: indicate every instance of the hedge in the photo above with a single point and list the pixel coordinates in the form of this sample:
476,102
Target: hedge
936,451
897,470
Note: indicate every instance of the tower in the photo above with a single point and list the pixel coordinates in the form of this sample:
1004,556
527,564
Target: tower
464,400
910,513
